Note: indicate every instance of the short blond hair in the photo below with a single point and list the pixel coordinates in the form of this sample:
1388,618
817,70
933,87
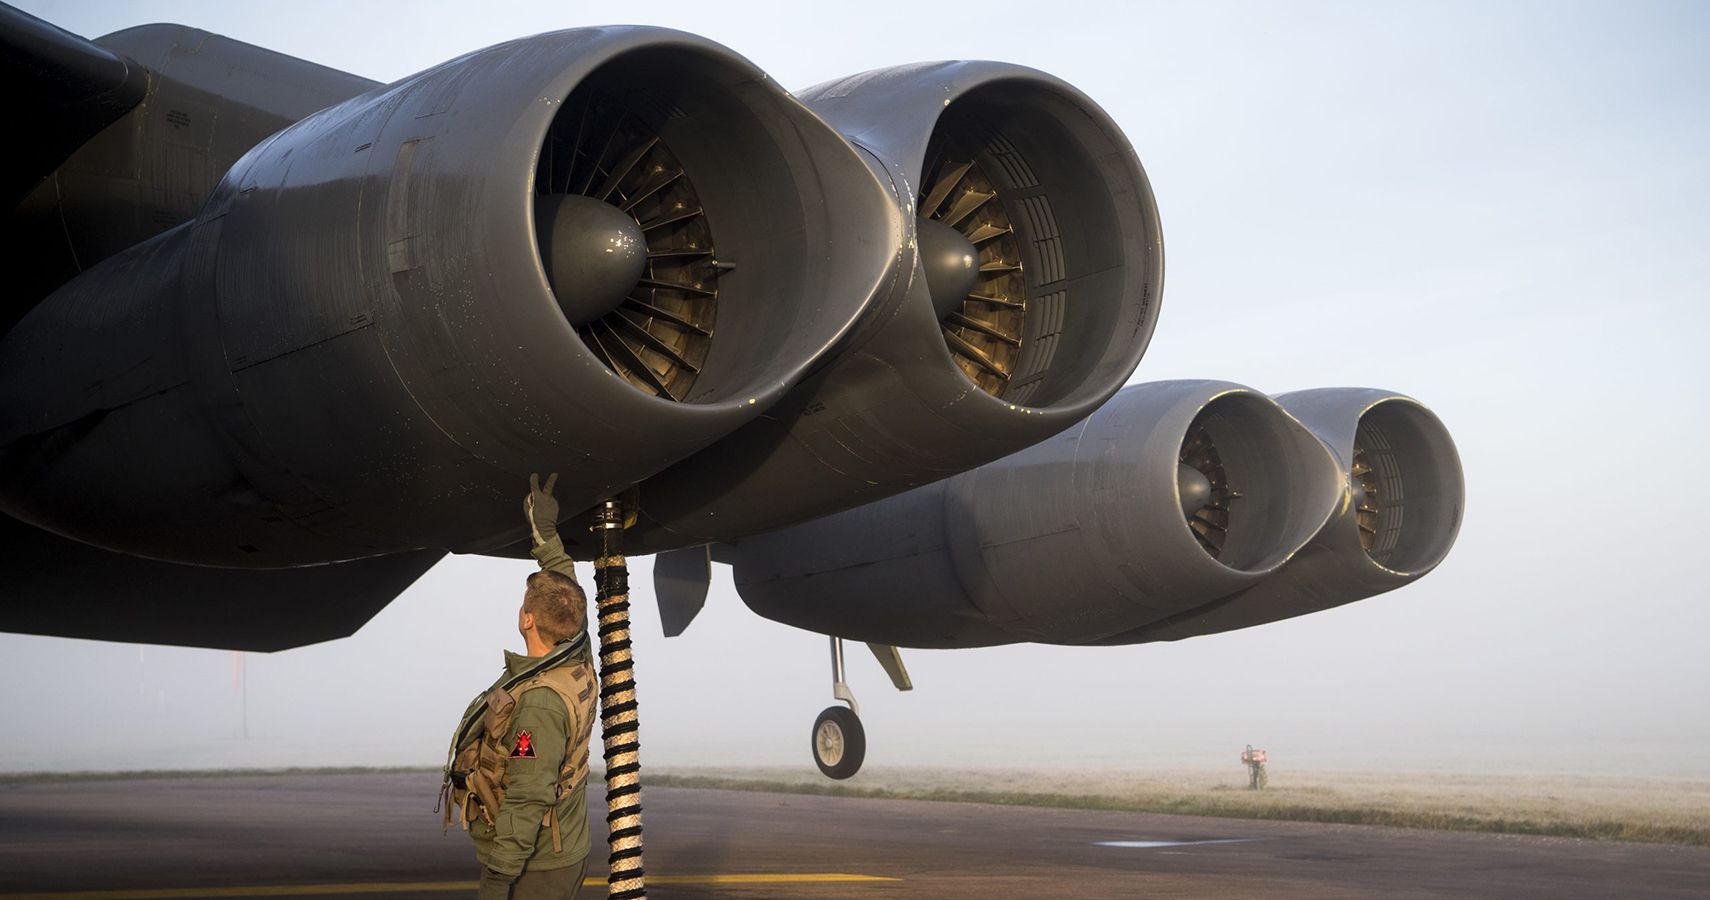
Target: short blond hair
558,605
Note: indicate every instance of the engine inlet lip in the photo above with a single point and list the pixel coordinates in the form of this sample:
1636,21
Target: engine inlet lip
897,114
1278,469
615,45
775,118
1430,458
1078,126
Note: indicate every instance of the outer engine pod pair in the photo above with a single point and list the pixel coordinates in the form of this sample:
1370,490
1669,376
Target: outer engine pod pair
1178,509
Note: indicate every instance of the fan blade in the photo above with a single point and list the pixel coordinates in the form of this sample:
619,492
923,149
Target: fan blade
670,218
935,197
677,254
997,301
984,328
624,167
632,361
606,148
986,232
652,341
664,315
965,206
674,286
974,354
655,187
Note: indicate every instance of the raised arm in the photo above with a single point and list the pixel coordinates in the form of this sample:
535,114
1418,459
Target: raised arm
542,512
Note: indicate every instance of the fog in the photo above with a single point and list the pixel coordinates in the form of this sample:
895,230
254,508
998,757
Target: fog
1502,211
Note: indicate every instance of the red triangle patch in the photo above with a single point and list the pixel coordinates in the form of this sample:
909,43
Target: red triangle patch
525,746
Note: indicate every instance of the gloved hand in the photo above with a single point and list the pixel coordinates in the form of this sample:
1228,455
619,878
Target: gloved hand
541,509
494,886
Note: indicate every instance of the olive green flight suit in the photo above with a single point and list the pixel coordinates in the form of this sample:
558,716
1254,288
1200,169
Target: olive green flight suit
541,733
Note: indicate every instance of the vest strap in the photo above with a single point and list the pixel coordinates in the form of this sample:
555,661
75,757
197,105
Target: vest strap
563,651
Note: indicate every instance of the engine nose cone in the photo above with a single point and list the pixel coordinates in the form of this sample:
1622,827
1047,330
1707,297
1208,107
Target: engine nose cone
1193,488
594,253
951,262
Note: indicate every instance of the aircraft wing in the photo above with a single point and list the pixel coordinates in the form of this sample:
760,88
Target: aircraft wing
64,90
284,336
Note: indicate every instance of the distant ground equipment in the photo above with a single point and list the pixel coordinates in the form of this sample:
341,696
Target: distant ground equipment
1255,761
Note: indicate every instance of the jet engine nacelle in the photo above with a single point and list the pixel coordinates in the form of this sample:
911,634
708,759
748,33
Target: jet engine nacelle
1171,495
591,252
1406,497
1027,294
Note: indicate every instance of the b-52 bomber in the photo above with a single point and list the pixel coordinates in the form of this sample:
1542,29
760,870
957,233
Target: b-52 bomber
280,337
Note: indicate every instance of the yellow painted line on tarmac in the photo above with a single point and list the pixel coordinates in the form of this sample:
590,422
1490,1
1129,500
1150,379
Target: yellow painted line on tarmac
274,890
404,887
764,878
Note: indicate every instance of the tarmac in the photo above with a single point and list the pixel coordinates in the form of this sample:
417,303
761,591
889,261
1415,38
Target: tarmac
376,835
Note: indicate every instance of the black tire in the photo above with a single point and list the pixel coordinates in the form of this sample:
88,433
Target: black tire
839,743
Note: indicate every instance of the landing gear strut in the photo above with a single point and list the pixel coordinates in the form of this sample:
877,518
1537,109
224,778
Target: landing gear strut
839,741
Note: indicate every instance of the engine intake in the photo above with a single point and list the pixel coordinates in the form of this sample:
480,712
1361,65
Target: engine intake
1025,174
708,204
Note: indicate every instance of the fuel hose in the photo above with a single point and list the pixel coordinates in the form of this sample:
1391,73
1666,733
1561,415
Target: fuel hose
620,728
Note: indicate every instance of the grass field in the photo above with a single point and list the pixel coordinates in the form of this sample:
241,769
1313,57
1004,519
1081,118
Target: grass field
1672,810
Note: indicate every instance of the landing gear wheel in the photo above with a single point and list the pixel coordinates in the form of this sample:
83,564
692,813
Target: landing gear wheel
839,742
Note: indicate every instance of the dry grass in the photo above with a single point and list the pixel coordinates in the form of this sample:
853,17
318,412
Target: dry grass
1671,810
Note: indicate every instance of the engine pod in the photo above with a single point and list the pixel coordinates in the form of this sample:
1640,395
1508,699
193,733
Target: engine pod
1029,294
1078,538
1404,499
1061,220
361,328
1090,532
756,258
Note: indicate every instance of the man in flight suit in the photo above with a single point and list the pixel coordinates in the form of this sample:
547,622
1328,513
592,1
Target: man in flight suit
536,845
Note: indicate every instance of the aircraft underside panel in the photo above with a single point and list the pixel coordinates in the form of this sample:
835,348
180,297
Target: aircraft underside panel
51,585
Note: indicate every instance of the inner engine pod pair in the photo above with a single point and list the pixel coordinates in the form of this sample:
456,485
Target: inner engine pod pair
595,252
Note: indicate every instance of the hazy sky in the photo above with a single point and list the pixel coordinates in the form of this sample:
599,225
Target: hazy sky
1501,209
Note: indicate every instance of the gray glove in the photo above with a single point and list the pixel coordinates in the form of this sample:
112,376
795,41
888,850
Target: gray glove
541,509
494,886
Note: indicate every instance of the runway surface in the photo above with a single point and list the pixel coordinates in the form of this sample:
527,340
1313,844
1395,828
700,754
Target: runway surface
376,835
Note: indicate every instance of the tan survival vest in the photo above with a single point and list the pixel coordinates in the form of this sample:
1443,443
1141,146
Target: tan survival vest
475,777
